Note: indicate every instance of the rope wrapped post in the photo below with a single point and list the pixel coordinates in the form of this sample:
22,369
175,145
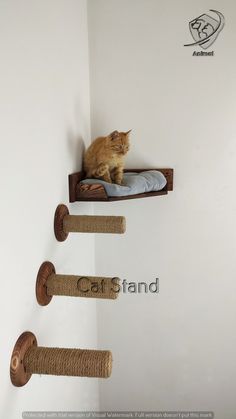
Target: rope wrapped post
28,358
49,283
64,223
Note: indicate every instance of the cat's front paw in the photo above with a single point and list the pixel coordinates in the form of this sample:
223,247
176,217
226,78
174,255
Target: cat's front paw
107,178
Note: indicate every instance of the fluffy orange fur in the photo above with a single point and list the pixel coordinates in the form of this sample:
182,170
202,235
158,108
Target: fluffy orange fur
104,159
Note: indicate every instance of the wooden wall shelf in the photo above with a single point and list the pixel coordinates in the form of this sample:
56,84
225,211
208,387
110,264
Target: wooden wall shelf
96,192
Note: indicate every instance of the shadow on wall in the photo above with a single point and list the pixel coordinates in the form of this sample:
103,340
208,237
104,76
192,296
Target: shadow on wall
9,402
135,160
76,149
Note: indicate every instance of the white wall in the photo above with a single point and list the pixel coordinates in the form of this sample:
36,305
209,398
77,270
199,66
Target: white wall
174,351
44,111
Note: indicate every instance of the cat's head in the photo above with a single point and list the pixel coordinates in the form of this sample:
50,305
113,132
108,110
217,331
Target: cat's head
119,142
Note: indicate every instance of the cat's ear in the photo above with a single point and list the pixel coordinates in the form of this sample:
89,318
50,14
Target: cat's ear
127,133
114,135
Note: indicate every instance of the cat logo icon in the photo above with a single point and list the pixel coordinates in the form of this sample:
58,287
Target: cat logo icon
205,29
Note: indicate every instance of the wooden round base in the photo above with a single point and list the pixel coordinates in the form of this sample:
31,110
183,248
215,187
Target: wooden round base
19,377
60,213
45,270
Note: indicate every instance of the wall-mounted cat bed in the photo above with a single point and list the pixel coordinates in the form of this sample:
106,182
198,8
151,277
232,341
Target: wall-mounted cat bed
81,189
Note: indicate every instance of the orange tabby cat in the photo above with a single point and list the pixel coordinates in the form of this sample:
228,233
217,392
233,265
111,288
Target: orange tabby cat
104,159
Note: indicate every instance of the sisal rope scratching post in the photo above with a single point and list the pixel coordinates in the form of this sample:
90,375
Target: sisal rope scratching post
49,283
28,358
64,223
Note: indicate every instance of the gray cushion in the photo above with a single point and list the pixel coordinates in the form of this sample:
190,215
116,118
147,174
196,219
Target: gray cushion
133,183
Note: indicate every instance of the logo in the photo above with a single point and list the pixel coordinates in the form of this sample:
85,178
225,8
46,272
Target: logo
205,29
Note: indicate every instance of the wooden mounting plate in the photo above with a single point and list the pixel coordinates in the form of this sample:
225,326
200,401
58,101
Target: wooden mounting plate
45,270
19,377
60,213
97,192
